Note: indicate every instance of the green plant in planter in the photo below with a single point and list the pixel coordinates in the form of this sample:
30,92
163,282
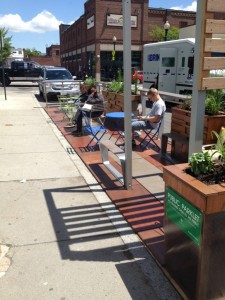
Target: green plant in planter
186,104
214,103
207,161
219,147
201,163
117,86
90,81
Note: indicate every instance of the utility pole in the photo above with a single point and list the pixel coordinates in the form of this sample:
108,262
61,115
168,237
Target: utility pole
3,70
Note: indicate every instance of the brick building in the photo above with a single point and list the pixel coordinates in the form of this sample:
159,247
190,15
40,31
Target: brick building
52,57
87,46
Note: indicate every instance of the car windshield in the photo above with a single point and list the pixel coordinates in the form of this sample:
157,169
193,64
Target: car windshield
58,74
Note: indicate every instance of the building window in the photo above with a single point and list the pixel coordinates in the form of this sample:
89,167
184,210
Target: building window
57,52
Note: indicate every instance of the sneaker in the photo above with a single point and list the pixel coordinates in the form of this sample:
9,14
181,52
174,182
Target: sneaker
70,125
76,133
137,133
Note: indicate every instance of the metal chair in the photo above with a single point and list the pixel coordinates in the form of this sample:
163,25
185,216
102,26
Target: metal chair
151,135
96,131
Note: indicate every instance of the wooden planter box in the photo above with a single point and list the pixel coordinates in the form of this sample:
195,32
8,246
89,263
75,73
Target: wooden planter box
181,119
84,88
180,123
194,234
115,101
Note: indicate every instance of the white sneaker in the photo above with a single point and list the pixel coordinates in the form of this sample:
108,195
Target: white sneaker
137,133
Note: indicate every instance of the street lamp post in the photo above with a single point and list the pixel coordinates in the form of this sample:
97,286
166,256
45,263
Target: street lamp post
3,70
113,56
166,28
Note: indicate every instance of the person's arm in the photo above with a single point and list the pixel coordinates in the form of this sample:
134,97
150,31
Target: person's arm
153,119
91,99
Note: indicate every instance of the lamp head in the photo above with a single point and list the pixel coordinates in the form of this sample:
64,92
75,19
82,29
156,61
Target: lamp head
167,25
114,39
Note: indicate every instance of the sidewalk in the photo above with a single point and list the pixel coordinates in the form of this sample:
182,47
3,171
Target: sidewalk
61,235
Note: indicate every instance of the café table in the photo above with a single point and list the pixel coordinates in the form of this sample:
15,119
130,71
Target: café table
114,121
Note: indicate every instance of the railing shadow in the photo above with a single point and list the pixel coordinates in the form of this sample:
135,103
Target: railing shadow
78,224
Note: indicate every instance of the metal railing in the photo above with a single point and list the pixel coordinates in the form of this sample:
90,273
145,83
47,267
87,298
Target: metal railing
63,89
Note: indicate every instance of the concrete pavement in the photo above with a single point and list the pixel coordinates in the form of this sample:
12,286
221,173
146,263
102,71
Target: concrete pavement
60,235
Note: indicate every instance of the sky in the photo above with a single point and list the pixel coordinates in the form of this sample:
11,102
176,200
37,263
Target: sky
35,24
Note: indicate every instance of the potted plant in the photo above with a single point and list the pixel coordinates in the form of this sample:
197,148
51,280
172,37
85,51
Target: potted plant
214,119
209,165
195,220
88,83
115,97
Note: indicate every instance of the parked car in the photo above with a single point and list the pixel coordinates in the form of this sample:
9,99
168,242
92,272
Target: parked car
20,71
57,81
139,75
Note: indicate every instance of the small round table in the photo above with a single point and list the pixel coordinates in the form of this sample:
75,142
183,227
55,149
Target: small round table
114,121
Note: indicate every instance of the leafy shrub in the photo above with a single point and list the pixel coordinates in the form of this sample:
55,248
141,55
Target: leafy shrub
186,104
219,147
90,81
215,102
201,163
116,86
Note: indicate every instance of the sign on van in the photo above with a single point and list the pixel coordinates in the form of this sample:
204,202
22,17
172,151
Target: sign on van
153,57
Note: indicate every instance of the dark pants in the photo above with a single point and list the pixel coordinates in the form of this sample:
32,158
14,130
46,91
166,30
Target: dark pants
78,117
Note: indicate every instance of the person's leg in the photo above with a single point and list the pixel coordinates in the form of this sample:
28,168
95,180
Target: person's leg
78,120
137,126
74,120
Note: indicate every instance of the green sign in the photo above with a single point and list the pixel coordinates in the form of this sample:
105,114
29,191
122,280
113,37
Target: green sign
113,54
184,215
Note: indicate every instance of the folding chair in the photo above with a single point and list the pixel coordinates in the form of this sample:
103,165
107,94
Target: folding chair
96,131
151,135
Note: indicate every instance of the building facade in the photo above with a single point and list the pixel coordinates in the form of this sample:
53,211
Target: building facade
52,57
16,54
93,44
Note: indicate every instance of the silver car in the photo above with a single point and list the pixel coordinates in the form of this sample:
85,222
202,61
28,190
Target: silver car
57,81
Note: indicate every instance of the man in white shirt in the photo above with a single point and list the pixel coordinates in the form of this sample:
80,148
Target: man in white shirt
151,120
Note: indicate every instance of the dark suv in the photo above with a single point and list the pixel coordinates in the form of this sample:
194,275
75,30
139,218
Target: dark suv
57,81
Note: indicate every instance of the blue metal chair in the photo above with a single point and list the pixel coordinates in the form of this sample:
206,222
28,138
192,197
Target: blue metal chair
150,136
96,131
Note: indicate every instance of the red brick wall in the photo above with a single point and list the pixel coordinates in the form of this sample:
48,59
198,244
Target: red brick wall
77,36
51,59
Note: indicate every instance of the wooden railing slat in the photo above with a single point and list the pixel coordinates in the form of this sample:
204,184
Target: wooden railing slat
213,83
216,6
214,45
214,63
215,26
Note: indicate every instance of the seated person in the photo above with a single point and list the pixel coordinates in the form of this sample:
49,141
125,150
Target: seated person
151,120
96,111
80,101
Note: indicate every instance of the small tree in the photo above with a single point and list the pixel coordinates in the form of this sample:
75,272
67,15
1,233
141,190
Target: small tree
158,33
31,52
7,48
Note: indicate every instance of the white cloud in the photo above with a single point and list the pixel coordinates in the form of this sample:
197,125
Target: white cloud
43,22
192,7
